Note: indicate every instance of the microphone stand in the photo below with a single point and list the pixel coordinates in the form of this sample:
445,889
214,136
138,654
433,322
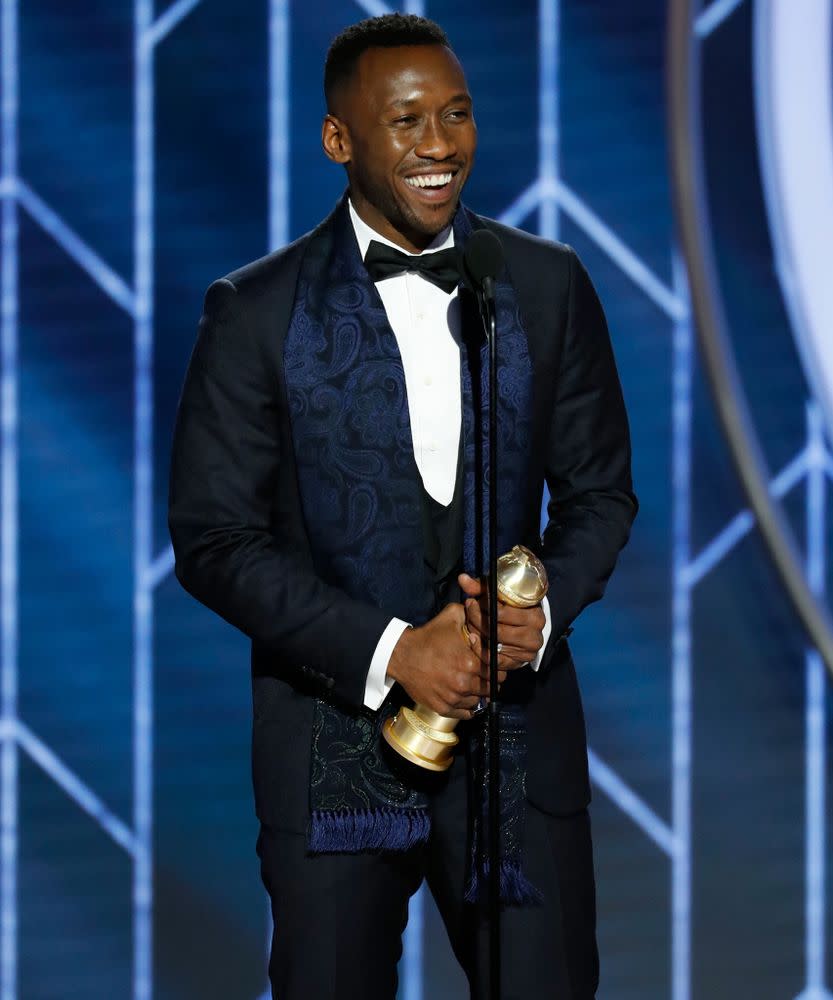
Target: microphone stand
487,311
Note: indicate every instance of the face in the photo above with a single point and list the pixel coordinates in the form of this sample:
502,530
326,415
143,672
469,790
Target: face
404,129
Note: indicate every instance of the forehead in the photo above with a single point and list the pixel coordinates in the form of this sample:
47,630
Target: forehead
407,72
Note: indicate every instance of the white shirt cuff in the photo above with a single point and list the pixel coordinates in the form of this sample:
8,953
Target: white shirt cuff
546,632
378,685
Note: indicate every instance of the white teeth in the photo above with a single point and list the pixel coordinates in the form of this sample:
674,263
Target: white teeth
429,180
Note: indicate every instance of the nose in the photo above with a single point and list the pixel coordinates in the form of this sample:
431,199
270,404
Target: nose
436,141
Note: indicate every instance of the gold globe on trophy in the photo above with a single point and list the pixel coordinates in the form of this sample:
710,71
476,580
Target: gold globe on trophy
427,738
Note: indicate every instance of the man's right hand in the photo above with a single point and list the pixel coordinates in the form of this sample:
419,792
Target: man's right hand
438,667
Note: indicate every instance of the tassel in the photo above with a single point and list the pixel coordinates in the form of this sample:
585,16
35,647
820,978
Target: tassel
348,831
515,887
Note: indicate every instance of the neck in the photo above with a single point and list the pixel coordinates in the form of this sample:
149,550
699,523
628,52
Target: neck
410,241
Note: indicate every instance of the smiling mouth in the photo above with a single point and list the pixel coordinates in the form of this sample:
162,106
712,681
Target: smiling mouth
432,186
430,180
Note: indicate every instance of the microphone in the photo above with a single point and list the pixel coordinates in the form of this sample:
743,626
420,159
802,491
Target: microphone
482,261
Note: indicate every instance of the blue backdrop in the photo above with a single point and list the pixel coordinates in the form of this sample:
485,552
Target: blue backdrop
147,151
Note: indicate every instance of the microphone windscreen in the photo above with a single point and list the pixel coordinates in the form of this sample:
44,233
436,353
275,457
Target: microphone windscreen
482,257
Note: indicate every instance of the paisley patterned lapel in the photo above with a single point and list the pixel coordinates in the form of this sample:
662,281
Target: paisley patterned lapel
359,484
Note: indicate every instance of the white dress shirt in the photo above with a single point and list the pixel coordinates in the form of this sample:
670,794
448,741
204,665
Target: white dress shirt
425,321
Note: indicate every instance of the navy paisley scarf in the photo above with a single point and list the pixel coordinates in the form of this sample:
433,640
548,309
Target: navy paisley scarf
360,492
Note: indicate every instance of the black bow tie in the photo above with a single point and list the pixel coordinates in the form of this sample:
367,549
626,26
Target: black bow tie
441,268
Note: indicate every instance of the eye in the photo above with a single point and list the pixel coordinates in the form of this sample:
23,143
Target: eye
405,120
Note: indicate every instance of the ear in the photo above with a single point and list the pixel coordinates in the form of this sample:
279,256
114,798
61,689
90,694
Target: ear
335,138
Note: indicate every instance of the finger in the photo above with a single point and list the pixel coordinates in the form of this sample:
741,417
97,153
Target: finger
456,612
509,658
486,686
477,614
529,618
481,649
474,615
520,618
512,657
470,586
512,664
520,654
515,637
468,682
469,667
457,703
524,617
467,703
481,687
502,673
459,713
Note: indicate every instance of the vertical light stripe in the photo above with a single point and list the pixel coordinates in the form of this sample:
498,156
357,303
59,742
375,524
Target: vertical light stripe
279,149
548,133
681,695
815,724
9,508
143,507
279,168
413,951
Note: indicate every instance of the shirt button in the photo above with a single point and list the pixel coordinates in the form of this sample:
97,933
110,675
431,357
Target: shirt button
433,446
428,380
420,316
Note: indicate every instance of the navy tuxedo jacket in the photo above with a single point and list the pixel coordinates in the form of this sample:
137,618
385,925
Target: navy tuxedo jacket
240,540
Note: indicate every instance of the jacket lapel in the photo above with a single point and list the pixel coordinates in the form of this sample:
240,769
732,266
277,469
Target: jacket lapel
514,376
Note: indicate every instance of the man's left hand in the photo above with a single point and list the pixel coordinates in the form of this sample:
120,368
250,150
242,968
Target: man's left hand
520,631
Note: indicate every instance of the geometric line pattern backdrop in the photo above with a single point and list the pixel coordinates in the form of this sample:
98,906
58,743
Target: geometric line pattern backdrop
544,204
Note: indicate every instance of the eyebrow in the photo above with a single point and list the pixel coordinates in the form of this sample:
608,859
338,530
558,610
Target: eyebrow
407,102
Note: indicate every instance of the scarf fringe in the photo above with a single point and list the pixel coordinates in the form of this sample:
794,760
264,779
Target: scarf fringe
350,831
515,887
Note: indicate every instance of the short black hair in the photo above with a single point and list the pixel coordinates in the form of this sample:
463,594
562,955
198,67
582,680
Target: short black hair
387,31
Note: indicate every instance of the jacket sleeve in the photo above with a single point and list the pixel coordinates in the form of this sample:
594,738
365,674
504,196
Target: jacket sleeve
226,460
588,462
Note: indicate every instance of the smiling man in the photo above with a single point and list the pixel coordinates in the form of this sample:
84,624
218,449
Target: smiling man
405,131
326,484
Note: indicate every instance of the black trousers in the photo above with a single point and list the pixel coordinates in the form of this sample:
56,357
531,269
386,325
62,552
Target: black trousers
339,918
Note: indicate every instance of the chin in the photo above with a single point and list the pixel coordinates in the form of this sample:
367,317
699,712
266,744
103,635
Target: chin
435,222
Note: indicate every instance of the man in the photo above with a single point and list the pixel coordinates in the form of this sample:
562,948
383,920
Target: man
326,498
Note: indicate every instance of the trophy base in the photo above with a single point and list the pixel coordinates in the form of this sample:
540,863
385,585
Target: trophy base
413,736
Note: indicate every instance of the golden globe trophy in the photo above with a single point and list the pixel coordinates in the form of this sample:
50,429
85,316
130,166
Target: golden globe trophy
427,738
